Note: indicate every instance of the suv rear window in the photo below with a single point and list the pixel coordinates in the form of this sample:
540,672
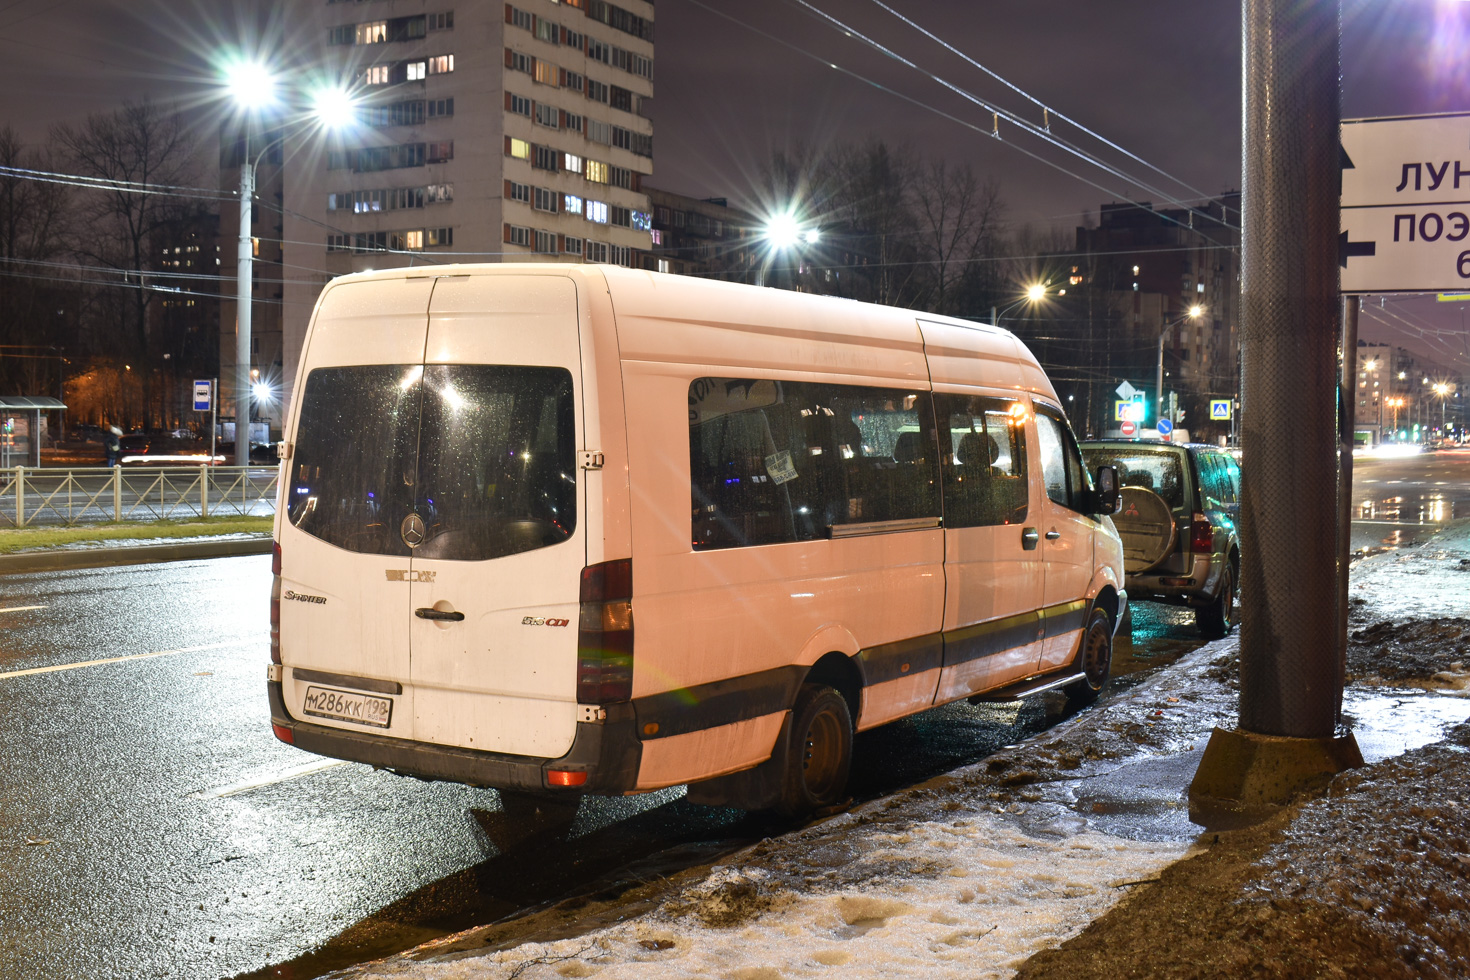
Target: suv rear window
1160,470
484,454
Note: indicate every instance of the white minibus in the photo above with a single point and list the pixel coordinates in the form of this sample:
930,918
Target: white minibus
566,529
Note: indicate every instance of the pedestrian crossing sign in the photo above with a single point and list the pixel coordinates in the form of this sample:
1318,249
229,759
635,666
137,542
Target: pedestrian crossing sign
1220,409
1129,411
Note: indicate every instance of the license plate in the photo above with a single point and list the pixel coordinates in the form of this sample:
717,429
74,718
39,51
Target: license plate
348,706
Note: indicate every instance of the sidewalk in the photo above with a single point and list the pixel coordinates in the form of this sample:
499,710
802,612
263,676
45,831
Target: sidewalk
1073,855
138,552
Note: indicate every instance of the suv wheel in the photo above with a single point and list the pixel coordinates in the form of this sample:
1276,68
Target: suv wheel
1218,618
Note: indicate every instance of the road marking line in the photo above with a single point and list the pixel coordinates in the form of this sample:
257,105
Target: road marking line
279,777
117,660
21,609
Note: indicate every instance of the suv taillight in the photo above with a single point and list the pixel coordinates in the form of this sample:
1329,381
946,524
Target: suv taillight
275,602
605,633
1201,534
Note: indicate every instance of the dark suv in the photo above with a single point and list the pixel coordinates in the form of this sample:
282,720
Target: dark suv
1177,520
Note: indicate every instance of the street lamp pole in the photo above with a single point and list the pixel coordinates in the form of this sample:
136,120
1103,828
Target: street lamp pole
253,87
1194,311
244,290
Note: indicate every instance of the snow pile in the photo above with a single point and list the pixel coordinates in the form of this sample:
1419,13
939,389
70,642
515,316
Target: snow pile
971,897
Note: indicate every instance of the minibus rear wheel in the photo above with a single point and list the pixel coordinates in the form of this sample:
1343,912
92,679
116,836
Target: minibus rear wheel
1095,659
820,752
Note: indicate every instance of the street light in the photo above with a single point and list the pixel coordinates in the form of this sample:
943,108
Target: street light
783,232
1396,404
1194,312
1442,390
1035,292
253,87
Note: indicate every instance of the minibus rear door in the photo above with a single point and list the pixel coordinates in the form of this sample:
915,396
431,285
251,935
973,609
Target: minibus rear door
498,517
344,602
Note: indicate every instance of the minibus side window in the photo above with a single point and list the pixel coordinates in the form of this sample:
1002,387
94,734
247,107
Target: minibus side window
775,461
1061,461
985,469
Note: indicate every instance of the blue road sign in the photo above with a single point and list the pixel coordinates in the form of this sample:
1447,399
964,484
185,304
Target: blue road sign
201,395
1164,426
1220,409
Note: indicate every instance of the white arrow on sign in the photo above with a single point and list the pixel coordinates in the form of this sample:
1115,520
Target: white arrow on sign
1126,391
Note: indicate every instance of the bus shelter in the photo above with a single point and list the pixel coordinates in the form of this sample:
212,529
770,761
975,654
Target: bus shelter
20,428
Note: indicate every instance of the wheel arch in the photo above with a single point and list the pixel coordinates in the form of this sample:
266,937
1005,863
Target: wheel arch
839,672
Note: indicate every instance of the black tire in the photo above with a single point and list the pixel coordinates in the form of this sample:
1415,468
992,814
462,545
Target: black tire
819,754
1218,618
1094,659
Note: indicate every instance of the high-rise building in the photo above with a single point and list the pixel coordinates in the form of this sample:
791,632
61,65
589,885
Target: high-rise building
487,133
1131,284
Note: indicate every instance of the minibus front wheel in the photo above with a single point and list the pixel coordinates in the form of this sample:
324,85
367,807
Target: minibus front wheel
1095,658
819,754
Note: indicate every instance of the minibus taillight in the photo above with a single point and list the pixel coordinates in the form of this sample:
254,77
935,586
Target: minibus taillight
605,633
275,602
1201,534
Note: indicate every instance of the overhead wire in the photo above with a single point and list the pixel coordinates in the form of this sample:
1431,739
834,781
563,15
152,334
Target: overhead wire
1015,119
913,101
1045,107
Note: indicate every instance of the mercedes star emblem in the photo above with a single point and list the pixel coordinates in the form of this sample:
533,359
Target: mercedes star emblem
412,530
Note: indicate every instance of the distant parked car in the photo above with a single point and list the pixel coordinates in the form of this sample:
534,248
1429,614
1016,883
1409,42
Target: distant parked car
1177,520
134,446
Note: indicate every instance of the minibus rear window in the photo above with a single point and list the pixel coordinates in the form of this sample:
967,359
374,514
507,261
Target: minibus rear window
483,454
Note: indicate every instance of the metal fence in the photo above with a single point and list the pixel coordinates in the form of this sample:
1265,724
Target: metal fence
32,497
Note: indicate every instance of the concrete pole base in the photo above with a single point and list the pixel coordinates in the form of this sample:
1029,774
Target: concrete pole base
1245,771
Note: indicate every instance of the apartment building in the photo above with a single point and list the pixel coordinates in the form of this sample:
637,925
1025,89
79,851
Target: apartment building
499,132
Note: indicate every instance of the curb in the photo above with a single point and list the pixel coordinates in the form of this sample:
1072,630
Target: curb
53,561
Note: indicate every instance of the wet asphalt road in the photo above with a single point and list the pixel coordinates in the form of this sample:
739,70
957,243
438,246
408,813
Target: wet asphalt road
151,826
1399,500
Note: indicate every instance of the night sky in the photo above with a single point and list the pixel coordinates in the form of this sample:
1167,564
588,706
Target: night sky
737,79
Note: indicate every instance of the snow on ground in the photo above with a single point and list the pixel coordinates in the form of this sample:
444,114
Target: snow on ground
1427,582
971,897
971,891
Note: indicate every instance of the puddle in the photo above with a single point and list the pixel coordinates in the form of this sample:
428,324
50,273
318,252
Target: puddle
1148,799
1392,721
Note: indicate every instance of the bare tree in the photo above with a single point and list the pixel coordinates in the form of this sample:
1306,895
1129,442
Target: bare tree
873,201
30,237
144,150
960,223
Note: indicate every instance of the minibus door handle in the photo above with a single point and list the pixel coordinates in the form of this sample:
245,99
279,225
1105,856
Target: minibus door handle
1030,538
1053,535
439,614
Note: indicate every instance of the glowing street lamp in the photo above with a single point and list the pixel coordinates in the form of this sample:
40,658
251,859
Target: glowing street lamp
1034,293
1443,391
784,231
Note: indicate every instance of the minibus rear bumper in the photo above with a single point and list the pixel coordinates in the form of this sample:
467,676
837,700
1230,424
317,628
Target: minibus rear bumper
608,752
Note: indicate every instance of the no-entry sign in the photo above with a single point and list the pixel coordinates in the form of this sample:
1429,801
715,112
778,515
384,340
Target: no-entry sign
1129,428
